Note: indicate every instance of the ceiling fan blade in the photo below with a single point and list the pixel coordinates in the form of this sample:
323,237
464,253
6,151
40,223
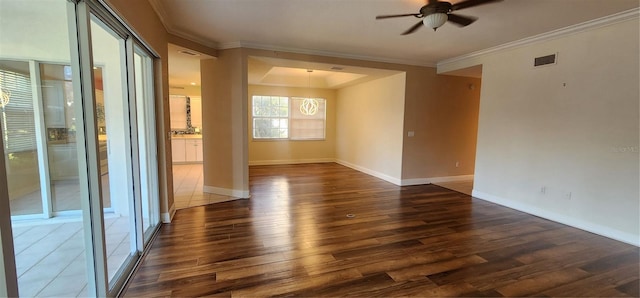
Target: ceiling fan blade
471,3
396,16
461,20
414,28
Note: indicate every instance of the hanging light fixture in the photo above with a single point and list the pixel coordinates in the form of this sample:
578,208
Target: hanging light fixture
435,20
4,97
309,106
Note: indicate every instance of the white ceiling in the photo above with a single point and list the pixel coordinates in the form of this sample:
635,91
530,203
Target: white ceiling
348,28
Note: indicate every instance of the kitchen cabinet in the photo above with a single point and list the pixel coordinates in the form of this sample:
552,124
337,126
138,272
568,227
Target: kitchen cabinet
196,111
193,150
178,112
186,150
53,101
178,150
63,161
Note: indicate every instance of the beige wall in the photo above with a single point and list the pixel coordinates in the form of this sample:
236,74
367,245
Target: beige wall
562,141
224,129
281,151
370,127
424,93
443,113
427,97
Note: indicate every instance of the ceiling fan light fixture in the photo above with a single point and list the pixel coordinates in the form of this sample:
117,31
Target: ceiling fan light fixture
435,20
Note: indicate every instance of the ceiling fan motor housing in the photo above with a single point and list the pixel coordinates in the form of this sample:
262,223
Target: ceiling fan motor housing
437,7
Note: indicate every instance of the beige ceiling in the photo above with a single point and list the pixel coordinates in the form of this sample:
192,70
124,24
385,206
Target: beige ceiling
184,69
348,28
291,73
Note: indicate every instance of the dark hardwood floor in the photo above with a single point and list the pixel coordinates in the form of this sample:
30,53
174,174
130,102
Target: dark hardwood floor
295,237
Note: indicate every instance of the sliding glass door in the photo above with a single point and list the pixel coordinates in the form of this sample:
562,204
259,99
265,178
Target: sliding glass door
79,146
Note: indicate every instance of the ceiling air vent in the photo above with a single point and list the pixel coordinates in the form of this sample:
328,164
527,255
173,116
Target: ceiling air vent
544,60
188,53
337,68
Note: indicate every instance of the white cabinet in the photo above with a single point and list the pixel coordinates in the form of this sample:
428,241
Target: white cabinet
178,111
54,107
178,150
193,150
63,161
186,150
196,111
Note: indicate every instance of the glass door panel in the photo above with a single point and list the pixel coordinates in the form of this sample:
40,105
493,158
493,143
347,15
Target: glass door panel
143,69
60,129
114,137
50,255
20,139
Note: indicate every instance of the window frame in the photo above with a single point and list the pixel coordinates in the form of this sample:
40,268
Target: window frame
288,118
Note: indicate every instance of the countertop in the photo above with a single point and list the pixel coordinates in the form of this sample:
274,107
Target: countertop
186,137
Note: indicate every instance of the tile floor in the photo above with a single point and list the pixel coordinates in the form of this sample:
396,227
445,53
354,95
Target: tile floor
66,196
188,187
50,255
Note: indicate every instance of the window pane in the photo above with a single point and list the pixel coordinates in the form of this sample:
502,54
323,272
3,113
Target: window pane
307,127
270,117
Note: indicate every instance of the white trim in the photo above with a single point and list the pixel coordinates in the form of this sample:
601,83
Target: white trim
451,178
420,181
193,38
166,217
415,181
563,219
592,24
371,172
161,12
289,161
236,193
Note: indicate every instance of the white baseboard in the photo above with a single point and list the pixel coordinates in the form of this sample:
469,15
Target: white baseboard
451,178
373,173
563,219
415,181
289,161
421,181
236,193
166,217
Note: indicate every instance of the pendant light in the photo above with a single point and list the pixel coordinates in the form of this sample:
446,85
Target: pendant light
309,106
4,97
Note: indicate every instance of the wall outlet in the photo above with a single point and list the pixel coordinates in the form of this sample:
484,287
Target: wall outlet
411,133
567,195
543,190
457,164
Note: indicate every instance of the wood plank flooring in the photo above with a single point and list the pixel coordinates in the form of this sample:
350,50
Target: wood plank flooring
296,237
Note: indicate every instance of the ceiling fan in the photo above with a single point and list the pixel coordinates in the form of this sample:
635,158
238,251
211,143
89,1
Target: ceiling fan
436,13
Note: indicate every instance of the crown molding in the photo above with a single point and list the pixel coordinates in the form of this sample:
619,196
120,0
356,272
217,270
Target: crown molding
589,25
158,7
161,12
259,46
196,39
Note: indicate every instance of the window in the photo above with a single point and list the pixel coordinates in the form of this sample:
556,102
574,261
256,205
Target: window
307,127
270,117
279,117
17,117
